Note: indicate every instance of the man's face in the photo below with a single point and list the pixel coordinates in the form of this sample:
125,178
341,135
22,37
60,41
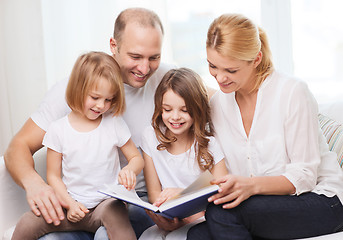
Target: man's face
138,53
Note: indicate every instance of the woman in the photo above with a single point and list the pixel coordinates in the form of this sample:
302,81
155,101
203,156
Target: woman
283,182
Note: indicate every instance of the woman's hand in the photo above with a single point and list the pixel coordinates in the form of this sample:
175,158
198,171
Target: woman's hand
127,178
76,212
167,194
233,190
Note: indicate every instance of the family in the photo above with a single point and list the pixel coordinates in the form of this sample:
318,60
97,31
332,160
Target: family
129,119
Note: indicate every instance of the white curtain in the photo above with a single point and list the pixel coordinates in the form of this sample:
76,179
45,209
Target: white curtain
5,122
22,69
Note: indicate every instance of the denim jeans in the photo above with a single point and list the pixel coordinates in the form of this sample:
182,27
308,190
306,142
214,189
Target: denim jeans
79,235
139,219
272,217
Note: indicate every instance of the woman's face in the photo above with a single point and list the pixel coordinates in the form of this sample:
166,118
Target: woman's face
232,75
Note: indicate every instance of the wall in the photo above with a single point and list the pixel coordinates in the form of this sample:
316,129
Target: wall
22,67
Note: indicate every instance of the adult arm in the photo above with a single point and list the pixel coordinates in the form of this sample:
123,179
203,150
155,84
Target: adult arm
235,189
19,162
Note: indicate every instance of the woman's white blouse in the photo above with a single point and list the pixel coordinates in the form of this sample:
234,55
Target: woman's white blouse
284,139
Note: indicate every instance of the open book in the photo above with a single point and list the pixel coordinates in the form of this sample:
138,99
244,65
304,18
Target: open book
191,200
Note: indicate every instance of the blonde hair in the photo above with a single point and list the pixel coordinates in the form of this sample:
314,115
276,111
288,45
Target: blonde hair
235,36
188,85
87,70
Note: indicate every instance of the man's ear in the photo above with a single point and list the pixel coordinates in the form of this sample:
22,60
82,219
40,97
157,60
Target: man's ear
113,46
258,59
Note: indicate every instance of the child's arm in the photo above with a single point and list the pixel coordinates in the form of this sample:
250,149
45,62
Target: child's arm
219,170
151,179
155,194
76,210
127,176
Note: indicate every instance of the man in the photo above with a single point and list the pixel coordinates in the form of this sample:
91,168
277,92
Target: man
136,46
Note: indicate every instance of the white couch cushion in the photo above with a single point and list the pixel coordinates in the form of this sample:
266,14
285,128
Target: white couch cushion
334,236
13,198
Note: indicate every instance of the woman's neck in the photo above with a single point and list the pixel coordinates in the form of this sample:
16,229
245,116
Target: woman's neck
81,123
247,104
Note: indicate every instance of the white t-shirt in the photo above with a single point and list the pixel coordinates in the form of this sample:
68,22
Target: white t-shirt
284,138
138,114
176,171
89,159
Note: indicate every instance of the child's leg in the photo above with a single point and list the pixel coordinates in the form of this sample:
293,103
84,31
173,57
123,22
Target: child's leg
114,216
32,227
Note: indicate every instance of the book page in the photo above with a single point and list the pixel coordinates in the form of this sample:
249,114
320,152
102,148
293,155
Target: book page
120,192
204,180
203,194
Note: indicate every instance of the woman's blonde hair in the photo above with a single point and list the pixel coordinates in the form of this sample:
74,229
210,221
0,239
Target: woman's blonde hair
188,85
88,69
235,36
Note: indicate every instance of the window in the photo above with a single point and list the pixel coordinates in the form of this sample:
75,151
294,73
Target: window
318,46
305,36
188,22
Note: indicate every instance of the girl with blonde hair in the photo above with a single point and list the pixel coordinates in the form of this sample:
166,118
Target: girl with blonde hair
82,154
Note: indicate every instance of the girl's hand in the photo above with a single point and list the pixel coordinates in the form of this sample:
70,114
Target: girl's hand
167,194
165,224
127,178
76,212
233,190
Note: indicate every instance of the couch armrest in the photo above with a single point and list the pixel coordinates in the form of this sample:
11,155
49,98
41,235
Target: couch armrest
13,197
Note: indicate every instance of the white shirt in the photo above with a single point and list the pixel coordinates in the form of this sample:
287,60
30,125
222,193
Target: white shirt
89,159
284,138
176,171
138,114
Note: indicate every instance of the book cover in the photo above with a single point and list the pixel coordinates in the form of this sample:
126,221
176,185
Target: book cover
191,200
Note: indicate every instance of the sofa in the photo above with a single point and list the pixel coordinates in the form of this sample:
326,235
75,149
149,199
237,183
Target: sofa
13,198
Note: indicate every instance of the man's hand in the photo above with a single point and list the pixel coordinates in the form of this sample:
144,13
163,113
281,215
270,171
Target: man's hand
20,164
43,201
